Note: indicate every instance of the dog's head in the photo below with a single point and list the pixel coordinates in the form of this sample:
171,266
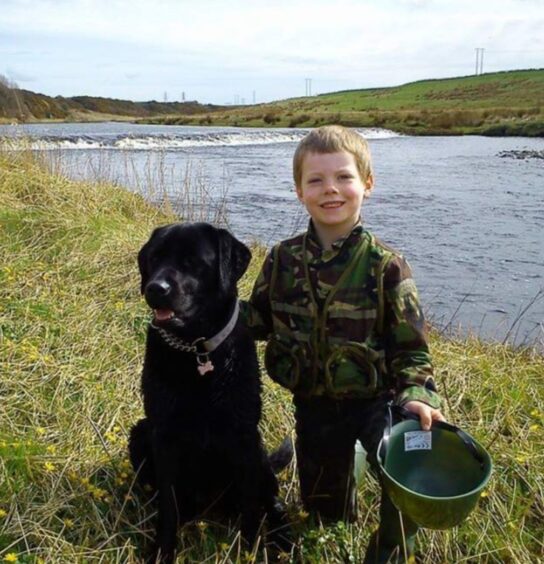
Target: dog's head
188,269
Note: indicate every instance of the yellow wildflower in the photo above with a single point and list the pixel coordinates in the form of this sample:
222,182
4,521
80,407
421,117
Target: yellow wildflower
40,430
49,467
535,413
10,557
68,523
521,459
224,546
202,525
303,515
98,493
3,513
249,557
125,464
534,427
485,493
51,449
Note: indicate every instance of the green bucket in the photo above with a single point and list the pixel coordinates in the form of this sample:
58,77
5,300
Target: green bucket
433,477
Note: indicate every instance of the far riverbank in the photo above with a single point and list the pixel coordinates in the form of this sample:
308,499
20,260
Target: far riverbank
500,104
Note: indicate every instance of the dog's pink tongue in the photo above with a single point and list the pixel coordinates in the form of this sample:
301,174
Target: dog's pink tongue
163,314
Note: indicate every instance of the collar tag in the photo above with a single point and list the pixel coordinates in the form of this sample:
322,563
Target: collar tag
205,367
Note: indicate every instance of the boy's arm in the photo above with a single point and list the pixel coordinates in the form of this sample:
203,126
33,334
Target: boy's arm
256,312
407,353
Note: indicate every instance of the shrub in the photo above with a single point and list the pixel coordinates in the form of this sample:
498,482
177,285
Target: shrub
271,118
298,120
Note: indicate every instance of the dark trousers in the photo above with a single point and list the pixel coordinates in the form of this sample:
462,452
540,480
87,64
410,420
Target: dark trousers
326,434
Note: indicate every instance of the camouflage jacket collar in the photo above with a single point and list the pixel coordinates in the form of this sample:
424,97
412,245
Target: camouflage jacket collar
319,255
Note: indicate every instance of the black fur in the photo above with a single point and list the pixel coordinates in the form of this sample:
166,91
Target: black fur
199,444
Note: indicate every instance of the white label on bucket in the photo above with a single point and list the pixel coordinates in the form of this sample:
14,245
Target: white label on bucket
417,440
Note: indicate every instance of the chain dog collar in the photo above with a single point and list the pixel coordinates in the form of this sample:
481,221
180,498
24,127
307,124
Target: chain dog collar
201,347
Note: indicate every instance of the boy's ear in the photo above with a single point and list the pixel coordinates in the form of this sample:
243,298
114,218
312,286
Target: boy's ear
299,192
369,184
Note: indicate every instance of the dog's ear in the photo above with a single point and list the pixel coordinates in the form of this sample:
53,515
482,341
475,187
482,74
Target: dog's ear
234,258
142,259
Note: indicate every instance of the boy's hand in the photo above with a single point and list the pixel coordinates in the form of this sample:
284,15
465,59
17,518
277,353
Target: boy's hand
426,413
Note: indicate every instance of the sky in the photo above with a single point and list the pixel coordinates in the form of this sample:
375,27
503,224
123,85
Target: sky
235,51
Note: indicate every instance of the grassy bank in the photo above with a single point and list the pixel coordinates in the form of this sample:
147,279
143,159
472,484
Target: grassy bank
497,104
72,327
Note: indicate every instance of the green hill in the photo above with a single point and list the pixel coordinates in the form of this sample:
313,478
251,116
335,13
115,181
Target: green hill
504,103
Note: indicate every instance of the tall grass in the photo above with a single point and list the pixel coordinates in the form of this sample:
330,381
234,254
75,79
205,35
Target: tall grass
184,191
72,330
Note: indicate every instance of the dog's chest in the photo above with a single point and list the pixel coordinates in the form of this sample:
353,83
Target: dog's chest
202,404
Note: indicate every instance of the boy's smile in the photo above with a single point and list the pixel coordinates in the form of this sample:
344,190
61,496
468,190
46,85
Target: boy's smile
332,191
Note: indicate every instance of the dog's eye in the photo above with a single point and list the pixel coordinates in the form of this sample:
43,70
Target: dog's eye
193,263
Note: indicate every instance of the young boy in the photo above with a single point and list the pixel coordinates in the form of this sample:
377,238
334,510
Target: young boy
345,334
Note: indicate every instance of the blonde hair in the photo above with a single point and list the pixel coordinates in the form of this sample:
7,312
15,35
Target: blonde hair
333,139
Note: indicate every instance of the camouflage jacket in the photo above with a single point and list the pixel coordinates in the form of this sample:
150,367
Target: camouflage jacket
344,322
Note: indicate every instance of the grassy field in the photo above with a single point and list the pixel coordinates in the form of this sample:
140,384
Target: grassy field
507,103
72,328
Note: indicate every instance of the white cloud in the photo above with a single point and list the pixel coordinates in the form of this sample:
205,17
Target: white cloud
359,42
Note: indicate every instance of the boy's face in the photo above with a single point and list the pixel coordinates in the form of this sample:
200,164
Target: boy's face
332,191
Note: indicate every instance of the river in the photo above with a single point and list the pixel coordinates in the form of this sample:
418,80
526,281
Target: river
467,212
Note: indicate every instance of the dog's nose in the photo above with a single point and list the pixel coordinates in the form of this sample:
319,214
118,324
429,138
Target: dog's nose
158,289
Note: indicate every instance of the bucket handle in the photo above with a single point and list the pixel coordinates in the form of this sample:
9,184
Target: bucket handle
405,414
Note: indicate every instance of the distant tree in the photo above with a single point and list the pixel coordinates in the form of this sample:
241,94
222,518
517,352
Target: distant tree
10,100
8,83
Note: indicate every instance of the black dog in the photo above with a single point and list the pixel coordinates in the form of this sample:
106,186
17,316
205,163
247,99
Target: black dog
199,444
